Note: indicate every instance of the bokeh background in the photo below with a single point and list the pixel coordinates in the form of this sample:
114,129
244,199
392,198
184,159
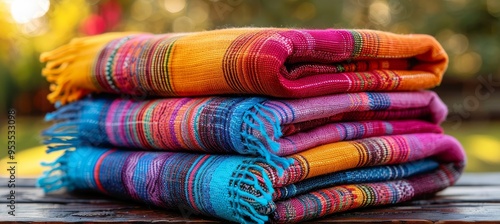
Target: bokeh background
469,30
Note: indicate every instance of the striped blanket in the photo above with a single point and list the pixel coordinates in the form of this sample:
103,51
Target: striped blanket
261,124
323,180
291,63
266,127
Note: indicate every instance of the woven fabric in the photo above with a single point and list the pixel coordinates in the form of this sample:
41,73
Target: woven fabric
292,63
323,180
342,134
256,126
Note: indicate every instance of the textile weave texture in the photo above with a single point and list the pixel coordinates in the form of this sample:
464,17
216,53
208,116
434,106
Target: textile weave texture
291,63
265,127
323,180
258,124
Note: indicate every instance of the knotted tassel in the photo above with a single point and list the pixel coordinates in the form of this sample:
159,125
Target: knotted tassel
69,67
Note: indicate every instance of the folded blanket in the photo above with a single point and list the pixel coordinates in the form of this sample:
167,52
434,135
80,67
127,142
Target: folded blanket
292,63
257,126
323,180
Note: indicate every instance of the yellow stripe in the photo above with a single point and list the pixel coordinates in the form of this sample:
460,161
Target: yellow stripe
192,70
330,158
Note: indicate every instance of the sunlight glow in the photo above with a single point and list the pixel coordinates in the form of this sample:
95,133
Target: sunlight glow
24,11
174,6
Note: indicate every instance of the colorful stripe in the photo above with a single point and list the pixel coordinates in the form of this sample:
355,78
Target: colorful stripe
347,137
256,126
323,180
291,63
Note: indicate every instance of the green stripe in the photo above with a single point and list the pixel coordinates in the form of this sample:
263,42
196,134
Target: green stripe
169,50
358,44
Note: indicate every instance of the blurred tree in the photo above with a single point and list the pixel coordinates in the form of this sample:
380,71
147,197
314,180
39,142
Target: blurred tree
468,29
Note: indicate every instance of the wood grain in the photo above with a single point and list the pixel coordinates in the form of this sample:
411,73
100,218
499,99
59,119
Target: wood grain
475,198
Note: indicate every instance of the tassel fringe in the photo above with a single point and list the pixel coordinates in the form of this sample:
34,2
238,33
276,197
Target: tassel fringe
245,203
56,178
256,118
64,134
69,67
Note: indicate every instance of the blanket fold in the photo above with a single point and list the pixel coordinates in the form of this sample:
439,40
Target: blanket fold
270,128
258,124
322,180
290,63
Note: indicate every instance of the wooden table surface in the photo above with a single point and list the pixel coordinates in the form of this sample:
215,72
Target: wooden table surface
475,198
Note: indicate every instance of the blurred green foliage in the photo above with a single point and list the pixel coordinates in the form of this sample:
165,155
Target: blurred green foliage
28,131
468,29
481,141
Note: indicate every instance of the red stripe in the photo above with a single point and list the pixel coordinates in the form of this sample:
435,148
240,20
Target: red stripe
98,168
192,176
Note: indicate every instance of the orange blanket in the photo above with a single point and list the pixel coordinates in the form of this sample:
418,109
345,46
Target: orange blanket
290,63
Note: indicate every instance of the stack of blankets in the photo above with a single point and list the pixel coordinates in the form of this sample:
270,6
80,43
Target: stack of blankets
251,125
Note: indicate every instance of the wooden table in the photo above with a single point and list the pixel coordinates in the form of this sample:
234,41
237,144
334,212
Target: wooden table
476,197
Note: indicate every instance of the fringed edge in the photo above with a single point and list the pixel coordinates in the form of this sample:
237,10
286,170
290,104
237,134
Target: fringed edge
57,177
253,119
69,61
59,70
242,200
65,133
